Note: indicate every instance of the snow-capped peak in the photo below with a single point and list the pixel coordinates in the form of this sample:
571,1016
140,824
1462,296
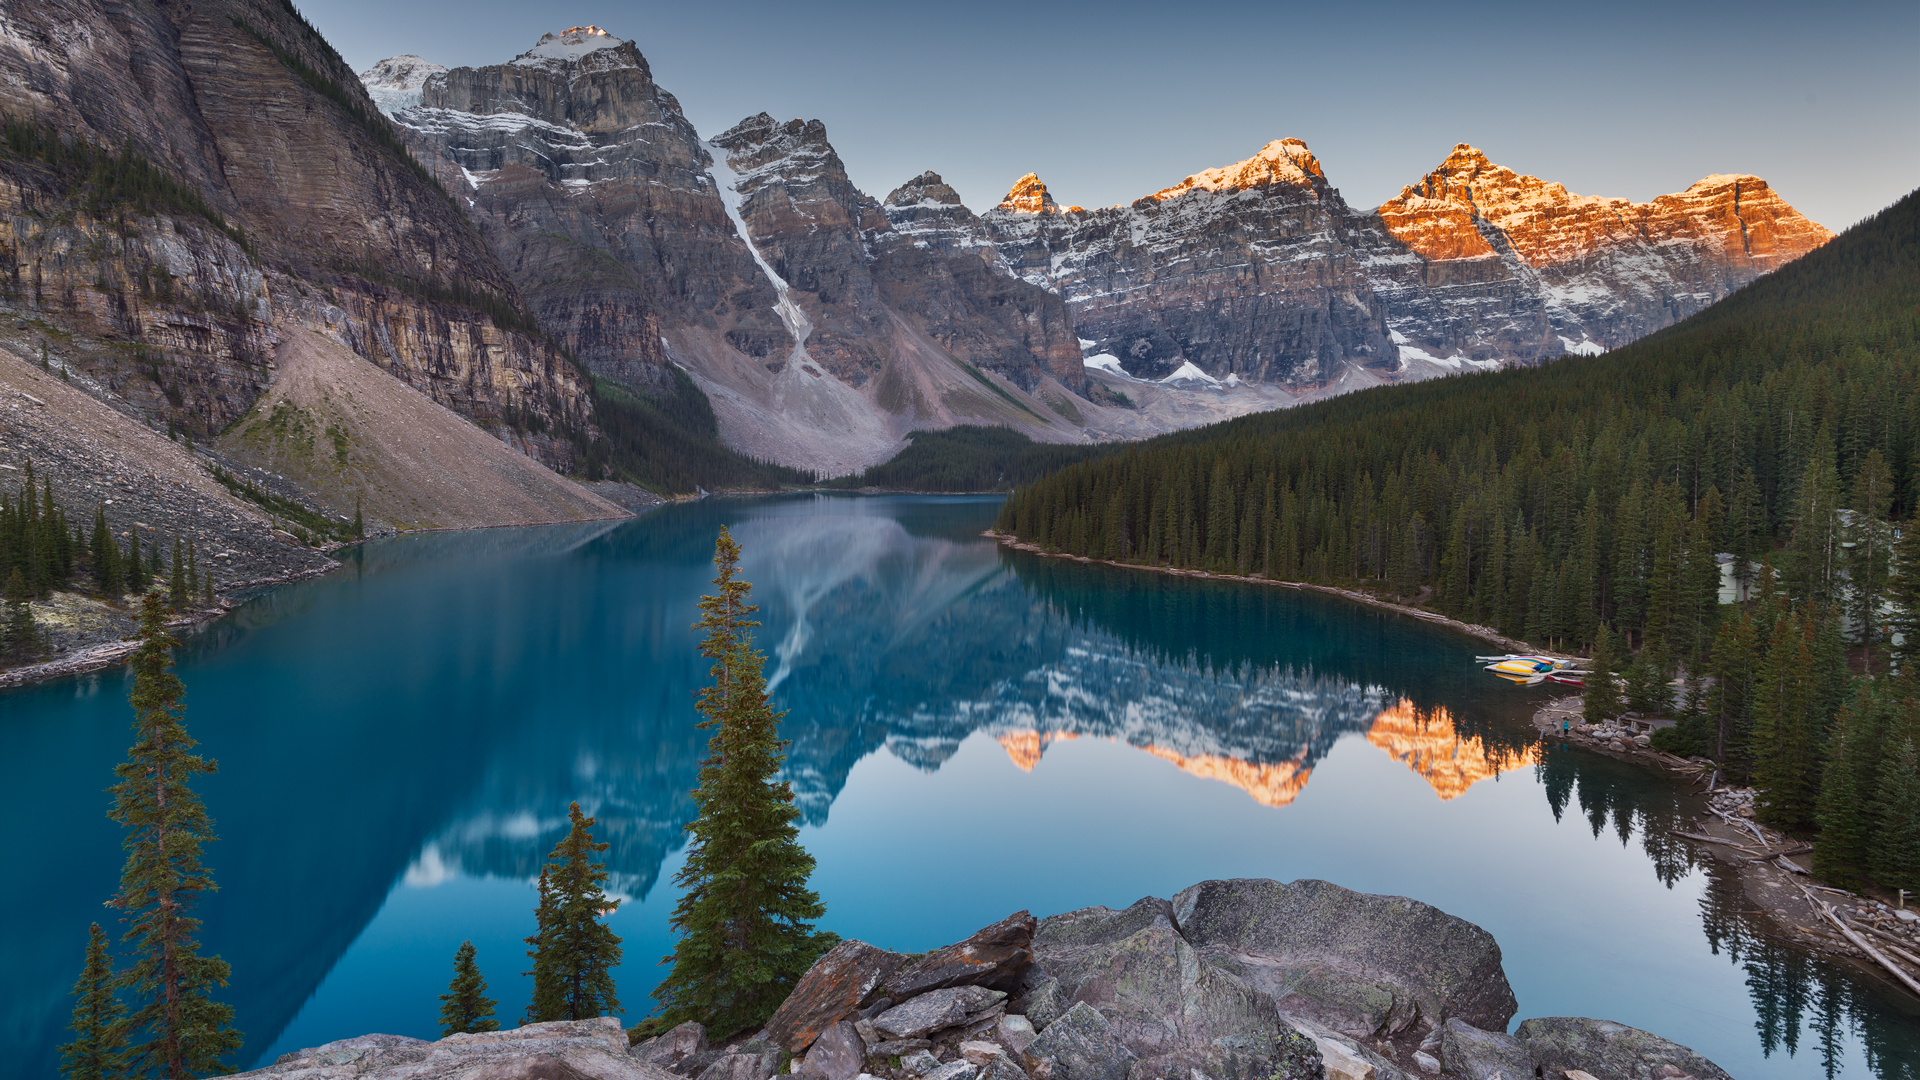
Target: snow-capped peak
1282,161
394,83
572,43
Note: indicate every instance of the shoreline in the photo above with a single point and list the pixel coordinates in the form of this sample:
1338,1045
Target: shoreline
1792,911
1484,633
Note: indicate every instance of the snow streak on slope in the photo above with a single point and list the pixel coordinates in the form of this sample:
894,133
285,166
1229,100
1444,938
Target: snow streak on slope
727,182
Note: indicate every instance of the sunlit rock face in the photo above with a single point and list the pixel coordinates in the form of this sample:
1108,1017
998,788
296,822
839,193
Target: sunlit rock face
1256,270
1259,269
1516,267
1427,743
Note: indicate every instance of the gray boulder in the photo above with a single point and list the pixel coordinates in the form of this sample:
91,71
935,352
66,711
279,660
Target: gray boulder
1002,1067
1467,1053
1610,1051
837,1054
1081,1045
1016,1033
919,1062
933,1011
995,957
1043,1003
342,1048
953,1070
751,1060
1152,987
1362,964
833,989
674,1046
595,1049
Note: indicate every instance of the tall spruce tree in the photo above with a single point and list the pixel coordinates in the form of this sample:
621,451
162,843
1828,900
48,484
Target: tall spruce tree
1895,855
177,594
99,1047
20,637
1840,853
746,916
186,1030
1786,757
573,953
1600,700
465,1006
1904,588
106,556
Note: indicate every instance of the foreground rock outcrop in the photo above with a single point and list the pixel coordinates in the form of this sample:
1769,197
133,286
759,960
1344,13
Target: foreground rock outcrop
1229,980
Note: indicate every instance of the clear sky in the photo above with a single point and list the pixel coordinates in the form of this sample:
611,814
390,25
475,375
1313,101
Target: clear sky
1108,102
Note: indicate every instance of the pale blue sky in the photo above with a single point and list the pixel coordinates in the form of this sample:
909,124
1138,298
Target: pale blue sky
1108,102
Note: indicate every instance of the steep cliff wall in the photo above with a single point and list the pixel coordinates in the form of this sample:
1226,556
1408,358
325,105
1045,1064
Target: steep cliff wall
292,204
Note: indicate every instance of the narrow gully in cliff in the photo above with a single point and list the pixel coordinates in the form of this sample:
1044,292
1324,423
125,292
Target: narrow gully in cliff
726,182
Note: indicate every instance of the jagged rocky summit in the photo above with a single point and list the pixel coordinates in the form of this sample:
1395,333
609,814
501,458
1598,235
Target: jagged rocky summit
1228,980
820,333
1260,270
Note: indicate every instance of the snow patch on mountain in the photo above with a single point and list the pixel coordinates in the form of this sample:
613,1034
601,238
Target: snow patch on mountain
571,44
394,83
1188,372
1583,347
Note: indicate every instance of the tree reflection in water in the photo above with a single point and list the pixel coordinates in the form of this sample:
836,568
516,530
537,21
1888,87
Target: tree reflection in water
1797,997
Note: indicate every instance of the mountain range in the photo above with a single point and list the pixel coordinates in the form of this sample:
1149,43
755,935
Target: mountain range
824,323
193,188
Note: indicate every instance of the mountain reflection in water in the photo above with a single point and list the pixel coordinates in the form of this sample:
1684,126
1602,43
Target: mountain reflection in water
405,735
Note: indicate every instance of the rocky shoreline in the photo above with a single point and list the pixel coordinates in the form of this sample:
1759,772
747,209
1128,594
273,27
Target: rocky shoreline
1229,980
1775,870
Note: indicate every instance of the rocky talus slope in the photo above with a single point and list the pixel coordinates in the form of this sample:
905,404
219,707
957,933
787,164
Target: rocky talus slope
362,441
1229,980
259,192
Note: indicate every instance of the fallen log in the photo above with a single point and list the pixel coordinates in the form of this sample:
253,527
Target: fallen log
1862,943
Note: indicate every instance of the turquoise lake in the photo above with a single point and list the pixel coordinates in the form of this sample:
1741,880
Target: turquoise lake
973,732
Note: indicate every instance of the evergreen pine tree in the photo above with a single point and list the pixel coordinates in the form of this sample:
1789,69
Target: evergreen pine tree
106,556
177,595
98,1050
1600,699
746,916
1840,851
1867,560
1649,692
135,563
1786,758
20,638
573,952
1730,702
1895,855
359,523
1904,590
465,1006
187,1031
193,570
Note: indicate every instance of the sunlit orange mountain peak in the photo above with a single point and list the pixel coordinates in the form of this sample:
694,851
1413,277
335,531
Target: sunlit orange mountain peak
1270,785
1025,747
1428,744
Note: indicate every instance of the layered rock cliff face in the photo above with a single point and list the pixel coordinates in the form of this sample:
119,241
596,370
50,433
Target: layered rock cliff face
820,332
1260,270
309,214
1519,268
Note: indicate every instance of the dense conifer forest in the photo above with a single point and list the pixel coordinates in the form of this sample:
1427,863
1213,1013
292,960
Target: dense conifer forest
1592,505
42,552
969,458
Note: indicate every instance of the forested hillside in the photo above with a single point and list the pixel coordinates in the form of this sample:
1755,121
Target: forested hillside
1780,426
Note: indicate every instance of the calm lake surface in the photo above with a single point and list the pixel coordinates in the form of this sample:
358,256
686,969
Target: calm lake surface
974,731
